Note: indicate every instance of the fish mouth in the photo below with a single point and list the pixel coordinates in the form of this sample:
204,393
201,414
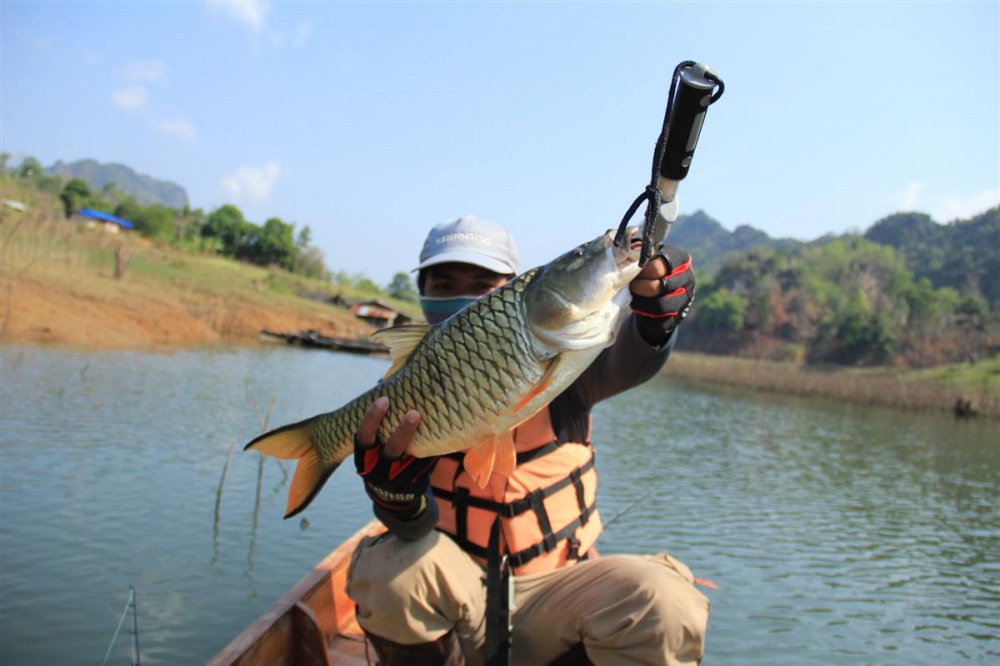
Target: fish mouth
628,253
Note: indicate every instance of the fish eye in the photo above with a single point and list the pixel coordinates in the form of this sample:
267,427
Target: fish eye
578,252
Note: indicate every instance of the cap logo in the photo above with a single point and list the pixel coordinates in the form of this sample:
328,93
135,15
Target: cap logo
458,236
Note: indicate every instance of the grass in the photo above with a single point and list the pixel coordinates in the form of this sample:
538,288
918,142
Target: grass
231,298
935,389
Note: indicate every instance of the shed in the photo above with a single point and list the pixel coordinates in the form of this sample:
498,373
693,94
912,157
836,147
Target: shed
107,221
379,315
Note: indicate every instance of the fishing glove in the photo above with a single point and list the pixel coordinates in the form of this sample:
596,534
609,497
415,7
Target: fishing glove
400,489
659,316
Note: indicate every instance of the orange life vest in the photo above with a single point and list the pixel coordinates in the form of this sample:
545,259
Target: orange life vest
547,508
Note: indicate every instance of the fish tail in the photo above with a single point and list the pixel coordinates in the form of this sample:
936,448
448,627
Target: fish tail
294,442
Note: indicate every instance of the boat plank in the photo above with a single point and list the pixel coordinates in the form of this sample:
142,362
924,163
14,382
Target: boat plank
314,613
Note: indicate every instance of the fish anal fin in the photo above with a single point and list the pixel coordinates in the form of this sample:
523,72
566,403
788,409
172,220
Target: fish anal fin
401,341
478,461
505,459
495,454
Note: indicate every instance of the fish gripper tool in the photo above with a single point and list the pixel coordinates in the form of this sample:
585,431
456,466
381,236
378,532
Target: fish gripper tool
693,88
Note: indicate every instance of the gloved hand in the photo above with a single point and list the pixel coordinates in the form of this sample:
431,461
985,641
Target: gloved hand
397,483
662,293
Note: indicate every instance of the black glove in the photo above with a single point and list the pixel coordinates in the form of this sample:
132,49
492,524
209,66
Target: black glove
400,487
660,315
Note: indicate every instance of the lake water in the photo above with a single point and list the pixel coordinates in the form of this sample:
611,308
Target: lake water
837,535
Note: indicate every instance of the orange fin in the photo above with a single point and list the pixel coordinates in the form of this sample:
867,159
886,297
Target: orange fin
704,582
495,454
506,455
290,443
539,388
310,475
287,443
479,461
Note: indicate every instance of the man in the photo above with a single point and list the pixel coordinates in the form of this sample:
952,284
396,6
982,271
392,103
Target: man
421,589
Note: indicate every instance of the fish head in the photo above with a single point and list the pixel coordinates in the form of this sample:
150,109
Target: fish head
578,300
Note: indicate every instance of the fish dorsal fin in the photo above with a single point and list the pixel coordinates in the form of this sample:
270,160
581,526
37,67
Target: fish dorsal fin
494,453
401,341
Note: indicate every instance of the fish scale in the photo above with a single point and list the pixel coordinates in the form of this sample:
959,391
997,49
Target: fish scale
479,374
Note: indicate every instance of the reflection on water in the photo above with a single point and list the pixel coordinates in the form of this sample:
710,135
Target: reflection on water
838,535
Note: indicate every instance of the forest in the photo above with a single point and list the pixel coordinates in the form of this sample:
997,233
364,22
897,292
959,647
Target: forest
908,291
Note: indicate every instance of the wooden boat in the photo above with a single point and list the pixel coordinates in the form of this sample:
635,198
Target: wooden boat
315,339
313,624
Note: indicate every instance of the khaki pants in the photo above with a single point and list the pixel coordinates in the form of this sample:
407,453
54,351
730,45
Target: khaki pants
625,609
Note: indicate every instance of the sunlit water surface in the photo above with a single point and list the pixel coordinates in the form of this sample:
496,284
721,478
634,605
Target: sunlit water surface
837,535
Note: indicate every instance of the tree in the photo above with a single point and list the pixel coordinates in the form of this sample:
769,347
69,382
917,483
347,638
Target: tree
402,287
304,238
226,224
29,168
74,196
720,312
311,262
271,244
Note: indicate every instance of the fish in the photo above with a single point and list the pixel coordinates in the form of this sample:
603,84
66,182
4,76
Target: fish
479,374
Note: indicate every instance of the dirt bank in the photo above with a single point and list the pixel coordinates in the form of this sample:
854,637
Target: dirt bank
135,317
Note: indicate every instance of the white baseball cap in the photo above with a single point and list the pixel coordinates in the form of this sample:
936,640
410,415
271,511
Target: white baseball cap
470,240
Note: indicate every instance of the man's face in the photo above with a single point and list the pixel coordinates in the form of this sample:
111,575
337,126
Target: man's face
455,279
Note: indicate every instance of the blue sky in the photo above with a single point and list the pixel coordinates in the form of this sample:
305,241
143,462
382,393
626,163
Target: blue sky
371,122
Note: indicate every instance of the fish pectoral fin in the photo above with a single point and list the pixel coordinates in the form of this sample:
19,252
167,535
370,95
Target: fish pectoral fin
540,386
401,341
293,442
493,454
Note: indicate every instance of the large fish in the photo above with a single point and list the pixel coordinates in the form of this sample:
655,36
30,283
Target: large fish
479,374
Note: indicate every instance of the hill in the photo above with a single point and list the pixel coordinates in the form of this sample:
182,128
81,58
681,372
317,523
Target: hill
711,244
146,189
963,255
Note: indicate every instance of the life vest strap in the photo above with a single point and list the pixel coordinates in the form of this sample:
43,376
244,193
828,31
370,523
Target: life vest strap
460,496
522,456
534,501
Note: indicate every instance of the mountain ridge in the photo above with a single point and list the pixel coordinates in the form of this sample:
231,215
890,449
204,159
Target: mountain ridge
146,189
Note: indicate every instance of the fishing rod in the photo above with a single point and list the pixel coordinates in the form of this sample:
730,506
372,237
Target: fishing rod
693,88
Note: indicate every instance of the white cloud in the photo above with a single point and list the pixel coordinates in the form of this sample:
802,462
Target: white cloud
251,13
130,99
146,71
954,207
178,129
908,202
251,184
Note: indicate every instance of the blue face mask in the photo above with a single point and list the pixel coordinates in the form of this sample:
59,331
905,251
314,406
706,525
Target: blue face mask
436,310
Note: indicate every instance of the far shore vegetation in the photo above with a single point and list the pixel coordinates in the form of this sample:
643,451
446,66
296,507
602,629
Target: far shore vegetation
844,319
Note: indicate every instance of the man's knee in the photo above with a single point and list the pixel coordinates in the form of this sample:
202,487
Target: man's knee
655,612
679,608
416,591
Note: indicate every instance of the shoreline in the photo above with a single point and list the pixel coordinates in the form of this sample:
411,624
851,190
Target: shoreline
58,289
878,387
883,387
